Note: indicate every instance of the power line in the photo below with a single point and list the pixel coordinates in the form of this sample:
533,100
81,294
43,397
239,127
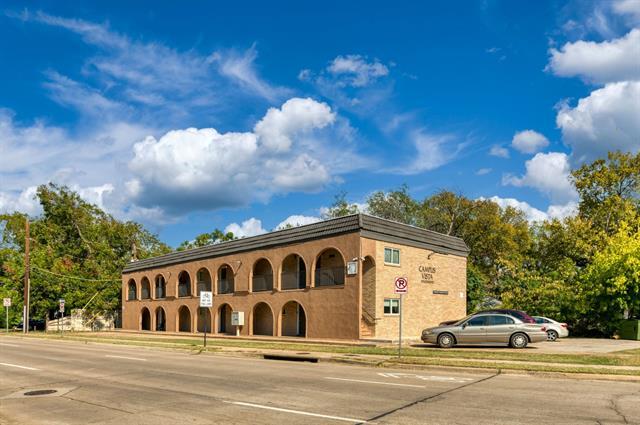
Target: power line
74,277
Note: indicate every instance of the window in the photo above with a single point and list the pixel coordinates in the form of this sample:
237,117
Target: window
477,321
500,320
541,320
391,306
392,256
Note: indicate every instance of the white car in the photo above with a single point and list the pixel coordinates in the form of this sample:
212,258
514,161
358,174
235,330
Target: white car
555,329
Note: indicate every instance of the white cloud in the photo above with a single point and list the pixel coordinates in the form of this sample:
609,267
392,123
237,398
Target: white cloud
499,151
606,120
549,174
279,125
24,202
151,79
240,67
483,171
608,61
533,214
250,227
297,220
356,71
529,141
630,8
194,169
431,151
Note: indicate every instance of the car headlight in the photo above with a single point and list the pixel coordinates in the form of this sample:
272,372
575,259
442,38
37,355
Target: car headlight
426,332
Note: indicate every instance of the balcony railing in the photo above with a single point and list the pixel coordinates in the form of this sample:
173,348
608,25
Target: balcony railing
183,290
293,280
330,276
203,286
160,292
225,286
262,283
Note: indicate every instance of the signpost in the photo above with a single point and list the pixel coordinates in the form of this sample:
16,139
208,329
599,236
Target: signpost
206,301
61,310
401,287
7,303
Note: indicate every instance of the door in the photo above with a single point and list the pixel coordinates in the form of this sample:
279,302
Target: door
223,320
473,331
500,328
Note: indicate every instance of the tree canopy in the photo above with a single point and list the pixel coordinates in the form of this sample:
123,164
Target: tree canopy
583,269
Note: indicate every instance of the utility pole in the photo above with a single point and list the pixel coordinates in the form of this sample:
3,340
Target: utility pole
25,315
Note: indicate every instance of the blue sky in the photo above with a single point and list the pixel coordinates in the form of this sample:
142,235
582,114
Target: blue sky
241,116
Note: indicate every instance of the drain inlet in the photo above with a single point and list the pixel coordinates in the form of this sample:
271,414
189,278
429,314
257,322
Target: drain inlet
40,392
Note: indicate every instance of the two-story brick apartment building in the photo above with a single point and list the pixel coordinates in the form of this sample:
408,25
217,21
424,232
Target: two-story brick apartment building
332,279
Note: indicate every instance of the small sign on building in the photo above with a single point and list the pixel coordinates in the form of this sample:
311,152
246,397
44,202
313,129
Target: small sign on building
352,268
6,302
401,285
237,318
206,299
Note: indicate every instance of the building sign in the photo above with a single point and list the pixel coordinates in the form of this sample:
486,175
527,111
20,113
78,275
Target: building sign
426,273
437,292
401,285
352,268
237,318
206,298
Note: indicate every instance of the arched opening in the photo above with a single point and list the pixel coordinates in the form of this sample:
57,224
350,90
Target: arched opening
184,319
262,319
204,281
294,320
224,319
161,287
294,273
184,284
368,321
131,290
161,319
145,289
225,280
262,276
145,319
204,320
330,268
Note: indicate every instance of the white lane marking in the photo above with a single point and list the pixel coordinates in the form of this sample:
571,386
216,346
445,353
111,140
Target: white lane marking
296,412
425,377
126,358
18,366
8,345
375,382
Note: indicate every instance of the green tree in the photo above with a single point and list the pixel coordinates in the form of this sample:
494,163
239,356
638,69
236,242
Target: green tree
340,207
445,212
77,252
609,190
611,283
396,205
205,239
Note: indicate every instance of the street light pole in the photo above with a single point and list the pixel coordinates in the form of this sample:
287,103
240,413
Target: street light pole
25,313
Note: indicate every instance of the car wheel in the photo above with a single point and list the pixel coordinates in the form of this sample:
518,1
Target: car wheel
446,340
518,340
552,335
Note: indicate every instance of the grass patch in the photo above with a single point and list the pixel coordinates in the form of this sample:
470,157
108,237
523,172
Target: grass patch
623,358
510,366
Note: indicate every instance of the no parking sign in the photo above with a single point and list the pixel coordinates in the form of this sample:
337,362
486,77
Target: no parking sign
401,285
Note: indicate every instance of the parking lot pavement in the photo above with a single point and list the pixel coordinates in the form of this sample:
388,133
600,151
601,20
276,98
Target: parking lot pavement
110,384
563,346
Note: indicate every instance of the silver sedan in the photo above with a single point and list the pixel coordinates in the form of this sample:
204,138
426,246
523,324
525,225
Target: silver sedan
486,329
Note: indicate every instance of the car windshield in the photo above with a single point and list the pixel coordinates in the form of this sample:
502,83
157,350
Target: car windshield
461,321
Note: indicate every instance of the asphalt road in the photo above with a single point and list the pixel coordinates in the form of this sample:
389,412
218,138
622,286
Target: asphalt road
109,384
